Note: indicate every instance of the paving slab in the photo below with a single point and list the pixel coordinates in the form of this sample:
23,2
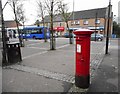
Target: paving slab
39,63
18,81
57,61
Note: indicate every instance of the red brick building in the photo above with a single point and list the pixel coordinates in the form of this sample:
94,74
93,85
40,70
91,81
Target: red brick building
94,19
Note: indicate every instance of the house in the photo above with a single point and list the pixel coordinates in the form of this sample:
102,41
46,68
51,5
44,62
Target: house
94,19
11,24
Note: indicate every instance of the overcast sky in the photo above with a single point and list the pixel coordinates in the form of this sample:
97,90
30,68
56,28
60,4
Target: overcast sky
31,9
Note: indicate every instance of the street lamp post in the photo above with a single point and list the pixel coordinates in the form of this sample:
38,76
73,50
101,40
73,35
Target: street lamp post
73,9
96,25
71,32
108,27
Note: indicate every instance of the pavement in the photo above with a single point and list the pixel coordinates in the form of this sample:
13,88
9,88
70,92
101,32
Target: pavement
106,76
42,70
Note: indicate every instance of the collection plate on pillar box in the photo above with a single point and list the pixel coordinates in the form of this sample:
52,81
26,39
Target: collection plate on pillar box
78,48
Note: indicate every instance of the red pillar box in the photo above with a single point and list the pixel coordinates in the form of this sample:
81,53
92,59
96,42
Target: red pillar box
82,75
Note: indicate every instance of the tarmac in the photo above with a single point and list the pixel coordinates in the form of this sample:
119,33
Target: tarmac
33,75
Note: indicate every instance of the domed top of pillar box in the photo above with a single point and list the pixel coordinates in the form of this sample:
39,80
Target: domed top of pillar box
83,32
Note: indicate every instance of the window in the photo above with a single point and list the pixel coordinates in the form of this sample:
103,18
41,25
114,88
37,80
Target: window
97,21
72,22
77,22
60,24
37,31
85,22
33,31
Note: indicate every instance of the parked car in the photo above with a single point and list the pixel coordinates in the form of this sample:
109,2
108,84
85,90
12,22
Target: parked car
66,35
99,37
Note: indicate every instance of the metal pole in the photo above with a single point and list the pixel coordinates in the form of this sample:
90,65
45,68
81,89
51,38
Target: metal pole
108,28
71,31
95,25
73,9
72,41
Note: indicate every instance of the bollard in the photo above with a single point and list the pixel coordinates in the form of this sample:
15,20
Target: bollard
82,74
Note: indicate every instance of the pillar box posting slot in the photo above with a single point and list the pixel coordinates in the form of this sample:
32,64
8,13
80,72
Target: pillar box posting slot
82,75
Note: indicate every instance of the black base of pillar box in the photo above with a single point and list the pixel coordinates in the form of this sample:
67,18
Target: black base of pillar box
82,81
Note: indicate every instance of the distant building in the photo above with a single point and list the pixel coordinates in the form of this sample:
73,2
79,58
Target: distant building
83,19
11,24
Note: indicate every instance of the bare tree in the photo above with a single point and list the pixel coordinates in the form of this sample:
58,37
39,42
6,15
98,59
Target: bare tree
66,16
4,35
21,14
52,9
16,6
41,13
